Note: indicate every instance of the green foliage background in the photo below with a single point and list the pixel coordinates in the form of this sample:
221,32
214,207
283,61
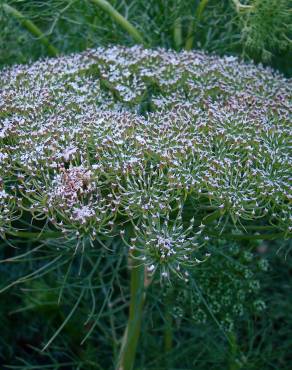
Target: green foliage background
30,314
263,34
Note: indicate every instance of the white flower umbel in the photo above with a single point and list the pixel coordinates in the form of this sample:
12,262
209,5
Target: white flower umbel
166,245
172,149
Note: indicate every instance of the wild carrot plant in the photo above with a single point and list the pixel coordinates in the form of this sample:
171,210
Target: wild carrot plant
151,155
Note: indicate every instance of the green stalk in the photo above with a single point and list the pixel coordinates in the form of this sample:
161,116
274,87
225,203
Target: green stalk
234,351
198,15
131,336
30,27
168,333
252,236
177,34
168,330
122,21
35,235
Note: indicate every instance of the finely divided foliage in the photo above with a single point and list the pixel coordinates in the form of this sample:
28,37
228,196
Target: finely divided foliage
165,149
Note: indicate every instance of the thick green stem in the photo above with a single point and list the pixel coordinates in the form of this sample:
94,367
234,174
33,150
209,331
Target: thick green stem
168,330
168,333
234,351
131,336
122,21
31,27
177,34
192,27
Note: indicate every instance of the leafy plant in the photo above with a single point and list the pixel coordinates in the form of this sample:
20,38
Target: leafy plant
265,27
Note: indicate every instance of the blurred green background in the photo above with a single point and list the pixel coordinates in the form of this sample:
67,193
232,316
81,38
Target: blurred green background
262,34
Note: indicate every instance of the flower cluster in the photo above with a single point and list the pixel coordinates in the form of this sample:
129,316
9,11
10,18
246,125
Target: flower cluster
227,288
109,137
167,246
